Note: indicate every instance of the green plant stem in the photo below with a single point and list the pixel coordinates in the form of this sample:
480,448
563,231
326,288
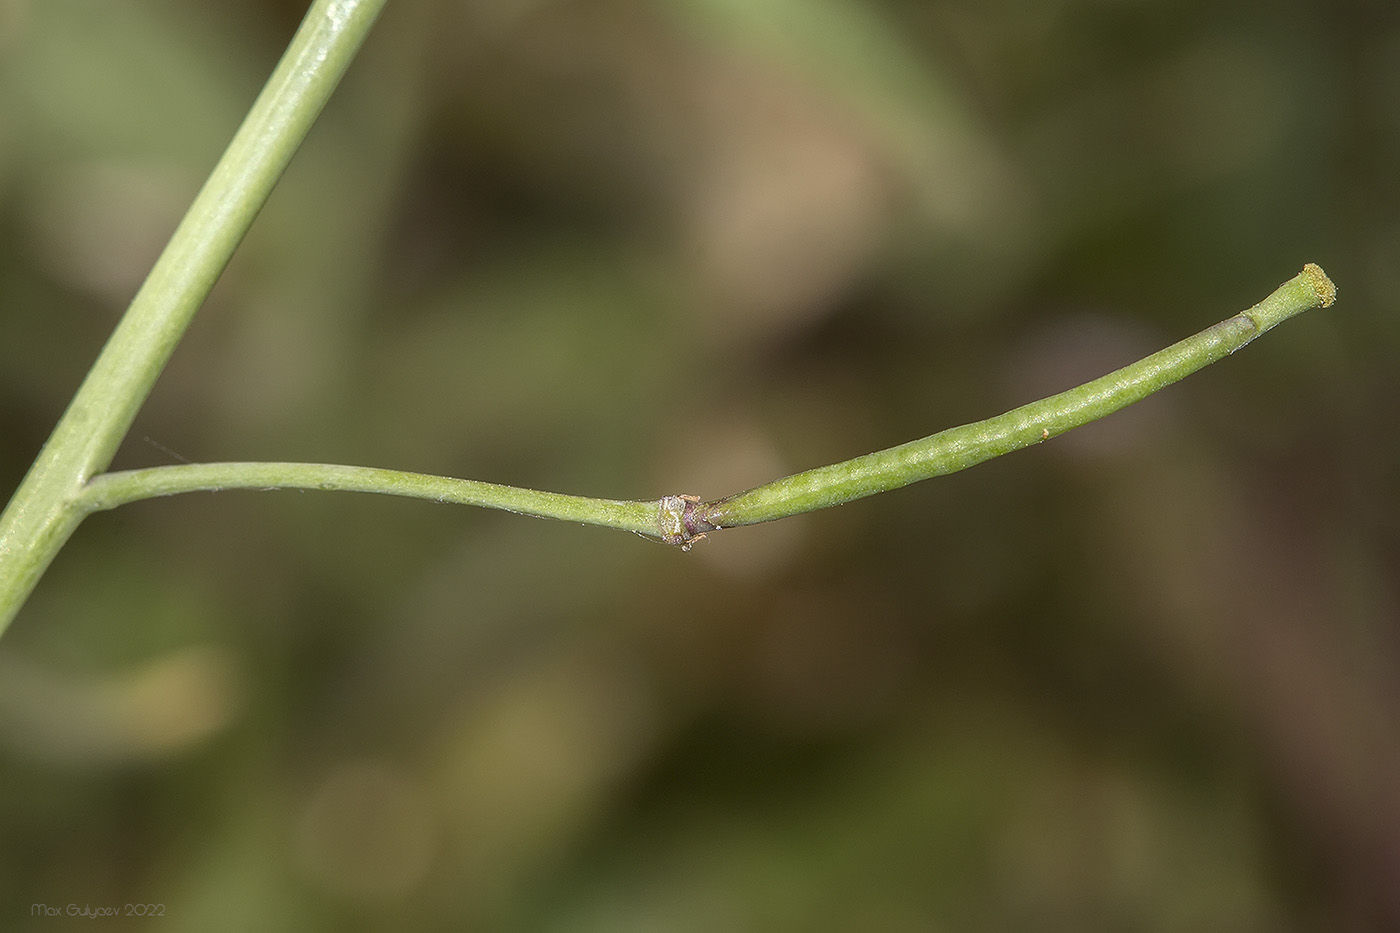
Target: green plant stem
44,511
961,447
681,520
113,489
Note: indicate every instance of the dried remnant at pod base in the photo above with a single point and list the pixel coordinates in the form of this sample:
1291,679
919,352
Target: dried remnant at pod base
682,520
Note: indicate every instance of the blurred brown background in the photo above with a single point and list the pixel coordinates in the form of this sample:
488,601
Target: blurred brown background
1141,678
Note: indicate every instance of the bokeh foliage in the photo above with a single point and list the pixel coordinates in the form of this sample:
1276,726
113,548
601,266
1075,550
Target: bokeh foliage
1144,677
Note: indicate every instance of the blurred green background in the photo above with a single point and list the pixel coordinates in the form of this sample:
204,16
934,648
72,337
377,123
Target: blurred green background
1145,677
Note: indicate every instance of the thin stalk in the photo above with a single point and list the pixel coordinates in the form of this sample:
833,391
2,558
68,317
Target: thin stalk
683,519
961,447
44,510
113,489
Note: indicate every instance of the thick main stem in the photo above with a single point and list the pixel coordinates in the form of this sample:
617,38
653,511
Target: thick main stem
43,512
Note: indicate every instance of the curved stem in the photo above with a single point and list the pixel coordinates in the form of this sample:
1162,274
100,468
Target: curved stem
683,519
42,514
113,489
60,488
961,447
